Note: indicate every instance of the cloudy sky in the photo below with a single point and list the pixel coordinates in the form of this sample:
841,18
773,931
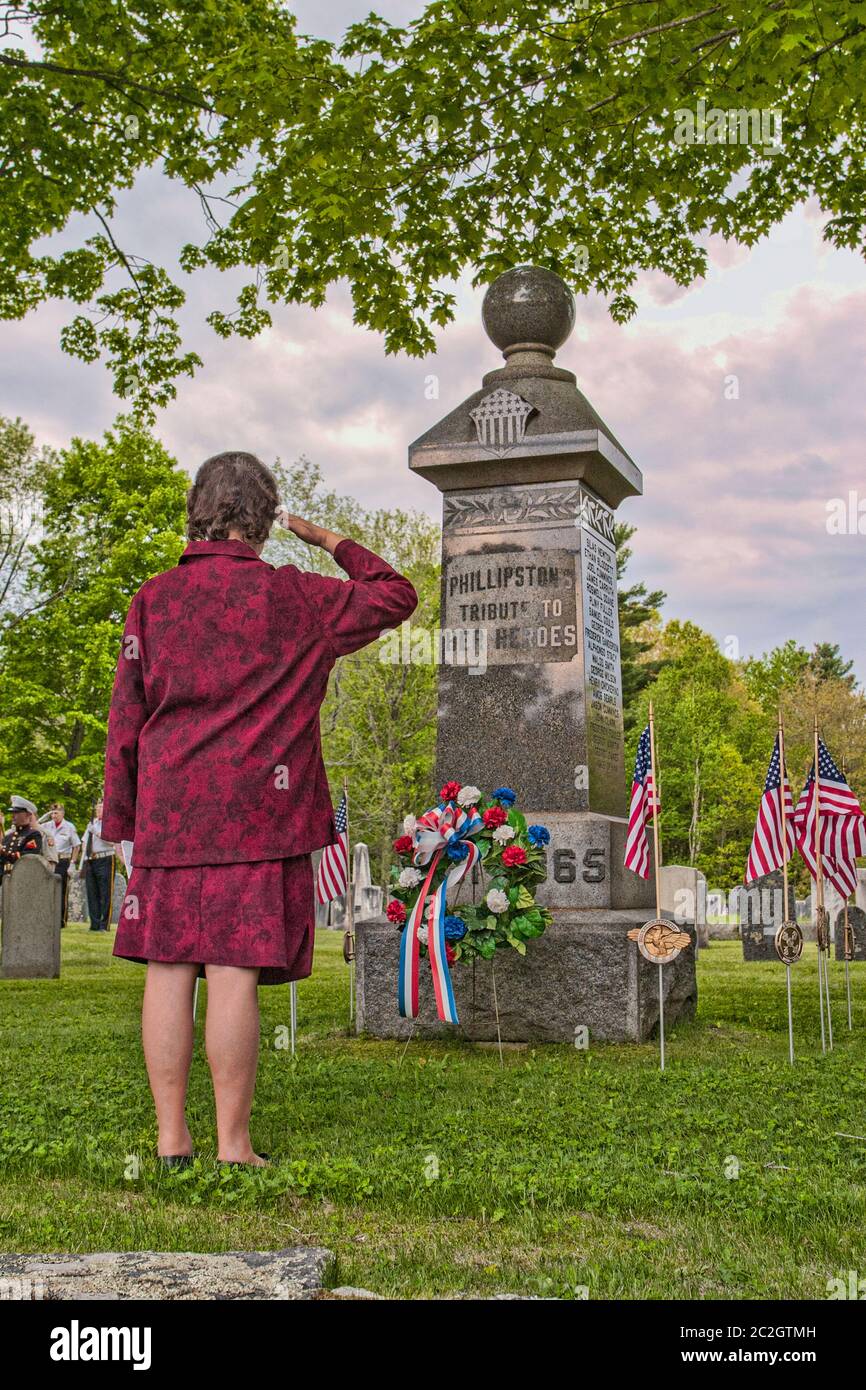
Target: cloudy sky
733,523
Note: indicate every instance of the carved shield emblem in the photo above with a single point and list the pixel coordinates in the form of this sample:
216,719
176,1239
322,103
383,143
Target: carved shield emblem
500,420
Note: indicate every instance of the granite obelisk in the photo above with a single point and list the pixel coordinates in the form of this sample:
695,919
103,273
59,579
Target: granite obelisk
530,686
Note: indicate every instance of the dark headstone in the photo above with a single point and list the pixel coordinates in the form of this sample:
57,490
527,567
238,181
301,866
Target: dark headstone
761,915
857,930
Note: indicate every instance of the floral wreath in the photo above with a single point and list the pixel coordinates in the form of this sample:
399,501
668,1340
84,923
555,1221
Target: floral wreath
435,851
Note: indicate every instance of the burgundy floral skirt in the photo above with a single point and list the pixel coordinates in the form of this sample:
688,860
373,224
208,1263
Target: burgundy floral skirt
259,914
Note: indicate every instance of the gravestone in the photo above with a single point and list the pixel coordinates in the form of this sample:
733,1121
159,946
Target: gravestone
76,907
32,907
857,929
367,895
860,890
761,915
684,896
369,902
723,916
361,876
530,686
118,893
717,905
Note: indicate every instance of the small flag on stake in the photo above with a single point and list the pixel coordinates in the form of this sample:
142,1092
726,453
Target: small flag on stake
842,832
765,854
644,804
333,876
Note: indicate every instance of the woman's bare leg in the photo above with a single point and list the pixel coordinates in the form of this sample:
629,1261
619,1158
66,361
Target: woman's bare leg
232,1040
167,1037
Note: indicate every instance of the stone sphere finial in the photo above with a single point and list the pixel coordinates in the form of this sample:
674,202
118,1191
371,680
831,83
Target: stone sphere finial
528,309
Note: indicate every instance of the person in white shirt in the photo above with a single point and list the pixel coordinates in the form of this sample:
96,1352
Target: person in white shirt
66,841
96,866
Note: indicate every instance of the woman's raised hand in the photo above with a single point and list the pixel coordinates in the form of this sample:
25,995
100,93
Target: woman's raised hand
308,530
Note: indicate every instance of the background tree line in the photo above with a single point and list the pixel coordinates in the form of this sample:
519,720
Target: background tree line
81,528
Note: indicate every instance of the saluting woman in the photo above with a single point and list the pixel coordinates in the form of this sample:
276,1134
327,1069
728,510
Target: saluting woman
214,770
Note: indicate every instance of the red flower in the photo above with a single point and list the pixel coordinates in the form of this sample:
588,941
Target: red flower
449,791
494,816
403,844
514,854
395,911
450,953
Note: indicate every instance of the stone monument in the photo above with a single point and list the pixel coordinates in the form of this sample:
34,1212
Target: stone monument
32,908
530,686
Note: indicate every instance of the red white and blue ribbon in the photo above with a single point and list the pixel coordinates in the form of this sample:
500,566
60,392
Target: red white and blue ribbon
433,833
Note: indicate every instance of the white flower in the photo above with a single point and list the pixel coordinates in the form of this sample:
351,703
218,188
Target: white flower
409,878
468,796
422,935
503,833
409,823
496,900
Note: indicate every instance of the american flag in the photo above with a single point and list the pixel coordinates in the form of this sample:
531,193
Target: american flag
842,827
766,850
644,804
333,876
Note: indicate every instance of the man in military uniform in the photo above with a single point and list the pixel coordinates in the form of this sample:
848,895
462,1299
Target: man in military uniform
26,835
67,841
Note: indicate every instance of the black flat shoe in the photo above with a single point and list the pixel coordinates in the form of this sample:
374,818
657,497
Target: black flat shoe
175,1160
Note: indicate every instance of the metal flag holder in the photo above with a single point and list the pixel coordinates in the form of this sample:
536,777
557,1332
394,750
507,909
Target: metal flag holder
349,933
657,940
821,915
847,948
789,938
848,952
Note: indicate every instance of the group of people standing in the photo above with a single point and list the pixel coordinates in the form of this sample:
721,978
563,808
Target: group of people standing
54,837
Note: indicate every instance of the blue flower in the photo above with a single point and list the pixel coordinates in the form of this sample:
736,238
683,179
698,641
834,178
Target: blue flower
455,928
538,835
505,795
457,849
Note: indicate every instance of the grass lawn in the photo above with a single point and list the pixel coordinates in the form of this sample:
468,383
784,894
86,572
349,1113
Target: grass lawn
439,1171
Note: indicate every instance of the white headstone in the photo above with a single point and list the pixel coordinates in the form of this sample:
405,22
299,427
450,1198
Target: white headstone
683,891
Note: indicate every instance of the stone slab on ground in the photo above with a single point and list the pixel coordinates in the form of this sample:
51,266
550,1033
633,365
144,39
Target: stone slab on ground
239,1275
582,973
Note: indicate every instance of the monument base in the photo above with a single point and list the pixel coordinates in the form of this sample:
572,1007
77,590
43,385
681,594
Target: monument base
582,973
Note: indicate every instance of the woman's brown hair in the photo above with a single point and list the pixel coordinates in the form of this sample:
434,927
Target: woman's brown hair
232,491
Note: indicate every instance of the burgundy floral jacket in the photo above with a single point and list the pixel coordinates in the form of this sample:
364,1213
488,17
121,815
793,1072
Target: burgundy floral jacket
214,754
